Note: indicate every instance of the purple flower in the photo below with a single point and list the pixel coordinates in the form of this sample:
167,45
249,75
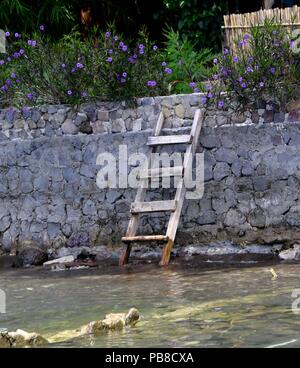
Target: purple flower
168,71
196,90
4,88
249,70
141,46
141,51
9,59
107,34
124,48
192,84
244,85
42,28
225,52
247,37
22,51
29,42
273,70
210,95
203,100
79,66
292,44
84,94
18,81
13,75
124,75
151,83
69,92
2,62
235,59
110,51
116,38
221,104
9,82
155,48
73,70
123,80
135,56
109,59
16,55
241,79
216,61
17,35
241,44
208,87
163,64
30,96
261,84
7,34
63,65
121,44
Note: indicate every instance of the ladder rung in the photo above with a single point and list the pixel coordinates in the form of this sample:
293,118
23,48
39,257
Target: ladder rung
145,238
162,172
169,139
157,206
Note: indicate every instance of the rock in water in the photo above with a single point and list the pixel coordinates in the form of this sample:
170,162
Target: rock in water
21,339
62,260
292,254
132,317
32,256
4,340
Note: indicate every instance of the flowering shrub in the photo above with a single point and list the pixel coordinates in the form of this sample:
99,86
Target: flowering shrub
37,71
261,67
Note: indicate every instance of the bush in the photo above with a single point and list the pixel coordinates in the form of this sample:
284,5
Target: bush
37,71
261,67
186,64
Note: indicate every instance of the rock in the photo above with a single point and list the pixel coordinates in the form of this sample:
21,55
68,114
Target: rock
86,128
4,340
226,247
234,218
22,338
238,118
112,322
69,127
62,260
293,105
32,256
179,111
93,328
292,254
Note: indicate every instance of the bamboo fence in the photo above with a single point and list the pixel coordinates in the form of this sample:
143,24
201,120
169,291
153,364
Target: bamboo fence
237,25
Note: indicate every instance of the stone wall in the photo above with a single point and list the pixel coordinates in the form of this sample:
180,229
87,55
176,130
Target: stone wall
48,191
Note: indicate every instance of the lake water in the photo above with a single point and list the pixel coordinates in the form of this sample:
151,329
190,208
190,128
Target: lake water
188,305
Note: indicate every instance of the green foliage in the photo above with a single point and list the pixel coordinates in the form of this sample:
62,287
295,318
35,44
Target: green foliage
187,64
261,67
38,71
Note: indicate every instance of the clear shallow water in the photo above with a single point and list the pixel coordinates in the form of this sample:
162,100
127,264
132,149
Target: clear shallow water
181,306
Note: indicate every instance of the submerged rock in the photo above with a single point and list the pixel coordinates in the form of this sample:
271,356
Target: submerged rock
20,339
229,248
111,322
292,254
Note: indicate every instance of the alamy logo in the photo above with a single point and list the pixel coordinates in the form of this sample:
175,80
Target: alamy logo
129,171
2,302
2,42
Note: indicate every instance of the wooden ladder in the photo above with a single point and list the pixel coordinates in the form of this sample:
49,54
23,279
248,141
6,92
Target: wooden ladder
173,206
